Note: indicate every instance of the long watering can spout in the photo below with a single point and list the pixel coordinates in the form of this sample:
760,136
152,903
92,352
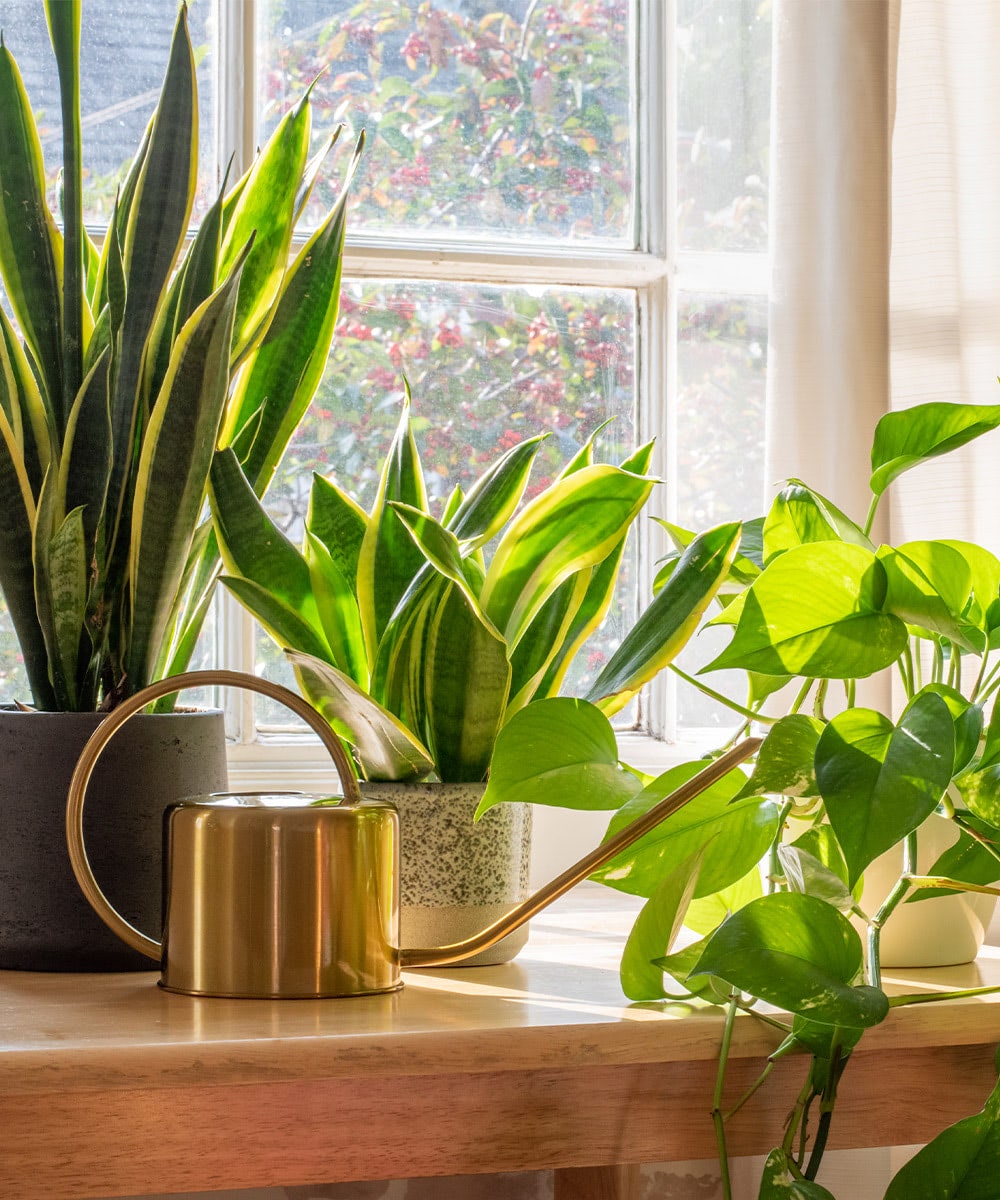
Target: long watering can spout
440,956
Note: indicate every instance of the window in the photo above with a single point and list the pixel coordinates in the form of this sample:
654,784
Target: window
561,218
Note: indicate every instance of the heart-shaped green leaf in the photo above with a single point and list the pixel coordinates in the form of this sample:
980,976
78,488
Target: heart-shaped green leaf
704,916
806,874
799,953
559,752
929,586
799,515
968,720
906,438
738,835
655,928
967,860
879,781
816,611
785,761
782,1180
961,1163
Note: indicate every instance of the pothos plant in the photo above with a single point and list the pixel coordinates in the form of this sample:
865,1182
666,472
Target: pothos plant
129,363
418,635
764,872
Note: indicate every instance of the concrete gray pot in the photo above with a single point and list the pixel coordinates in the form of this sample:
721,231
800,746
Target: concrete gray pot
45,923
457,877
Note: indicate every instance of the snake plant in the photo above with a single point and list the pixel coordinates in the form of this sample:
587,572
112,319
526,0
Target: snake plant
410,634
126,365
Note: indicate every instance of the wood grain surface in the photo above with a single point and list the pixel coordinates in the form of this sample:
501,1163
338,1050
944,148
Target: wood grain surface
109,1086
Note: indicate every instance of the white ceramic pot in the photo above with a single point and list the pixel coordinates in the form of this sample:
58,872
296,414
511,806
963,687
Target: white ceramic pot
932,933
458,876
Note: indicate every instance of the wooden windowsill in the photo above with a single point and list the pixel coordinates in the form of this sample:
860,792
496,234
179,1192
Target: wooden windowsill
110,1086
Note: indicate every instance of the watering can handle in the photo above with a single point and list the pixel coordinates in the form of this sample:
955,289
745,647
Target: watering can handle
458,952
114,721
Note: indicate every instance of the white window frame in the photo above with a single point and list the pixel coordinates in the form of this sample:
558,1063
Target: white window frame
655,271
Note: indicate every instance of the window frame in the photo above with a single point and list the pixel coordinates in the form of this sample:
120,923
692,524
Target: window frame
655,271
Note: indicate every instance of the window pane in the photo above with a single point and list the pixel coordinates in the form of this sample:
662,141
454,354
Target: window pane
116,103
723,97
721,367
482,115
13,678
488,367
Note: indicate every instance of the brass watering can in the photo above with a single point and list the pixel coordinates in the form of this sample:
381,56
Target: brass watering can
285,895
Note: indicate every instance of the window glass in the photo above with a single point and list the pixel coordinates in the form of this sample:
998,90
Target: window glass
508,115
124,46
721,368
723,97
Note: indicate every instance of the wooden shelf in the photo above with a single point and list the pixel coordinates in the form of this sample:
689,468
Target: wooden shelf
110,1086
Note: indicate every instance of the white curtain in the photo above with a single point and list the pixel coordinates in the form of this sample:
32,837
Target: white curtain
828,354
885,235
945,264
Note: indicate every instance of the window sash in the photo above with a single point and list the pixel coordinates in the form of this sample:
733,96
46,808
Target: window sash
653,270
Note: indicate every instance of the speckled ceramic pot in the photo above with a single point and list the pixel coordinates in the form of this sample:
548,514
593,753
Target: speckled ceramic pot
456,876
45,922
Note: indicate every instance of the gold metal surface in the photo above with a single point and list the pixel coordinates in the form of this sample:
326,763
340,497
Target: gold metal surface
274,896
285,895
440,956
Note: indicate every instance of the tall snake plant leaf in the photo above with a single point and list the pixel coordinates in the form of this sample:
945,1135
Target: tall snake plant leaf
64,30
549,634
571,525
491,502
911,436
339,523
383,746
22,400
174,468
266,209
593,606
440,548
464,668
283,372
672,616
120,217
68,588
191,285
389,558
31,247
466,678
277,617
17,503
338,610
86,459
254,549
157,225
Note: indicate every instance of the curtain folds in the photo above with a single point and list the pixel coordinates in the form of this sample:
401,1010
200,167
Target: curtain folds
828,352
885,248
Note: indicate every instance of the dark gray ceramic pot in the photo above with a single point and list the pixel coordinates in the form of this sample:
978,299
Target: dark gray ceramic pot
45,923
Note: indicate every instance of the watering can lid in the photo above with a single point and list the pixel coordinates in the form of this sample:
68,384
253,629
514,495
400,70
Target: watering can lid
275,800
